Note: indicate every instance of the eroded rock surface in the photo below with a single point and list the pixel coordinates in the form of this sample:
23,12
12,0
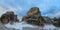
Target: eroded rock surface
34,16
9,17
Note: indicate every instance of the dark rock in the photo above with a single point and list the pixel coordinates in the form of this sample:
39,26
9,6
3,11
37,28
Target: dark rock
34,16
48,20
34,11
56,22
4,18
8,17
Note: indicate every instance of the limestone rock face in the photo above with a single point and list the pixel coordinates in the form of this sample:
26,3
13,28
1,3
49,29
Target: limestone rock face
33,16
34,11
8,17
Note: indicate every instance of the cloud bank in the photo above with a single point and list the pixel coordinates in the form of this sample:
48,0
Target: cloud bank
47,7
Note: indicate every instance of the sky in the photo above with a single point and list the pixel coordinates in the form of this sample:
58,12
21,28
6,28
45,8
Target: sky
49,8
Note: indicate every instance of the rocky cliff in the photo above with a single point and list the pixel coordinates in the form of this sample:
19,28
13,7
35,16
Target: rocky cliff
34,16
8,17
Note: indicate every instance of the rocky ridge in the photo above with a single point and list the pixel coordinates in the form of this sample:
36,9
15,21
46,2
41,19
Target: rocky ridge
34,17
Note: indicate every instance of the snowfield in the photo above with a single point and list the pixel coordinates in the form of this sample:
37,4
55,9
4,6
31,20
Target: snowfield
25,26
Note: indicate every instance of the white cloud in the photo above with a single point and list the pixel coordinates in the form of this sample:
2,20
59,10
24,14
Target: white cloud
57,14
2,10
10,8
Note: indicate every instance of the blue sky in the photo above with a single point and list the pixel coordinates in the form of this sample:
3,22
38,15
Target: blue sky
49,8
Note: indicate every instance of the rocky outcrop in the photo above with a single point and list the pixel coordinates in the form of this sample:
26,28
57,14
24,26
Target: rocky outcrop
48,20
9,17
33,12
56,22
34,16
